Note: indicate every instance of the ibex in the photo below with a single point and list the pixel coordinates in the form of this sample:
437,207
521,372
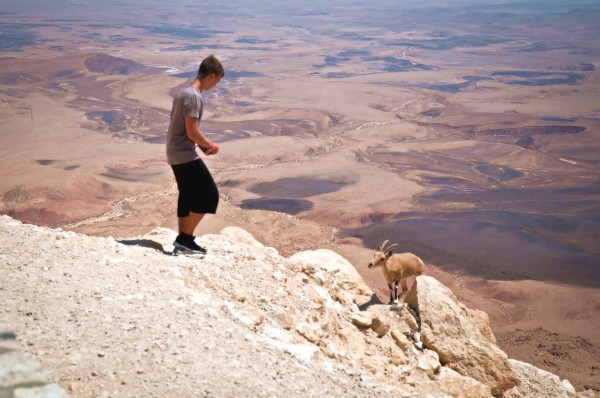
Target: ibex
396,267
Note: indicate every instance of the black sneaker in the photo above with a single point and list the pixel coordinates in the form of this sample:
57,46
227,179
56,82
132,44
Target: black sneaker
185,243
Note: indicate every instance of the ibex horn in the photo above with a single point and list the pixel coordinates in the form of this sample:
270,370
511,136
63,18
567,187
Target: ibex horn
382,245
389,249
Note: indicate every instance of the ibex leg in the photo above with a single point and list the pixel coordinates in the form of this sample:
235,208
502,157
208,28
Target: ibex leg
391,292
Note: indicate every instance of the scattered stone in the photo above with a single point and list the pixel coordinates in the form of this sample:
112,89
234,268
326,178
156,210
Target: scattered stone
285,320
380,325
239,297
429,362
362,319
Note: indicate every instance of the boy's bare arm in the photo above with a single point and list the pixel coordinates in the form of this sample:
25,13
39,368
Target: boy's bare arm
193,132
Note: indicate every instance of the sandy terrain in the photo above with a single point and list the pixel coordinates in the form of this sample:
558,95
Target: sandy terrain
337,130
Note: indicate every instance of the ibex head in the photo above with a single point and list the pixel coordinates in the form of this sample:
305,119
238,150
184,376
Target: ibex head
382,254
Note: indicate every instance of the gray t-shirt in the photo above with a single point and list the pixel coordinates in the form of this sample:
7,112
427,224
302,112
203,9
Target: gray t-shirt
180,149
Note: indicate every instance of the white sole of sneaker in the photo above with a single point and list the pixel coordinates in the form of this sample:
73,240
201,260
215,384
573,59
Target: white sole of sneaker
179,249
177,252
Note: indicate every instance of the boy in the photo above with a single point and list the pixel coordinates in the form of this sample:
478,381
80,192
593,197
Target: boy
198,193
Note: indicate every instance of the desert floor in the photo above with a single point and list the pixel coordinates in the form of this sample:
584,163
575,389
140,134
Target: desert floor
476,156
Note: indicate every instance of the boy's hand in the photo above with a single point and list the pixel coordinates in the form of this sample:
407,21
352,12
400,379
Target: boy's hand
214,148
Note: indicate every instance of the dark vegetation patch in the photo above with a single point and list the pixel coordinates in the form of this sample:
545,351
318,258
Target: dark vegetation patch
195,47
503,245
525,142
469,83
537,47
191,33
393,64
155,139
449,43
127,123
331,60
114,38
10,78
228,183
63,20
242,103
354,36
535,78
338,75
446,87
526,200
120,174
374,217
115,120
476,78
433,112
350,52
296,187
252,40
68,74
46,162
281,205
558,119
498,173
382,64
527,130
587,67
15,36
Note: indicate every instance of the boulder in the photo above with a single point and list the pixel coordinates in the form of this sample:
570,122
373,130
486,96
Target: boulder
462,337
459,386
363,319
240,236
381,325
339,275
535,382
429,362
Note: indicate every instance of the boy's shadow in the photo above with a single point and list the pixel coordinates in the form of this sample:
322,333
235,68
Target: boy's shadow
145,243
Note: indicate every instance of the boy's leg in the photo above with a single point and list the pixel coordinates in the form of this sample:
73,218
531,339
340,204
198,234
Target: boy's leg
185,240
188,224
197,191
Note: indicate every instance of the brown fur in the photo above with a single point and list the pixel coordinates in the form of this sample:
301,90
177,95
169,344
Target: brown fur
397,268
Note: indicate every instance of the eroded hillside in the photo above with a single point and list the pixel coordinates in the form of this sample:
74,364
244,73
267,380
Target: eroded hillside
124,317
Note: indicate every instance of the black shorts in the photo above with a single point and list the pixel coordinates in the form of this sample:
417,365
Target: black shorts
198,192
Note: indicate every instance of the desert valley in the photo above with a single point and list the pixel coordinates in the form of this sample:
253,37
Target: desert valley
469,134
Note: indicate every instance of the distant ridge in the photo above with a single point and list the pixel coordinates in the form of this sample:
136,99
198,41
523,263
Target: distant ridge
110,65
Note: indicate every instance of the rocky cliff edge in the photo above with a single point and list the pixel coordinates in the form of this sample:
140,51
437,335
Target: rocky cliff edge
126,318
